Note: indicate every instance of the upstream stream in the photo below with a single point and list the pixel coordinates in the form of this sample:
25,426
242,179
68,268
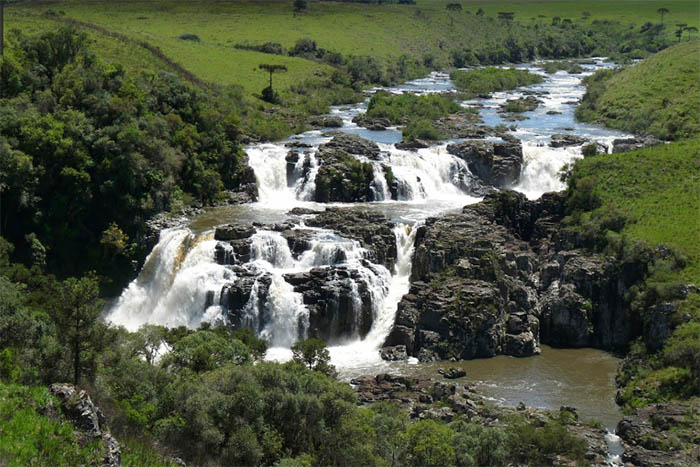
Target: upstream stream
182,283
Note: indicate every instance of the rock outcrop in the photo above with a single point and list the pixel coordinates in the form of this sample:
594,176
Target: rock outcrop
662,435
502,277
632,144
88,419
342,177
426,398
562,140
495,164
340,296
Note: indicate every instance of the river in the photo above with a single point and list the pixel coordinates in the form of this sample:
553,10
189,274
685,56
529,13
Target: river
182,284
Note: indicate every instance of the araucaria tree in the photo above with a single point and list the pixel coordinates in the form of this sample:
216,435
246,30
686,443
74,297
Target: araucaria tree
300,5
662,11
268,93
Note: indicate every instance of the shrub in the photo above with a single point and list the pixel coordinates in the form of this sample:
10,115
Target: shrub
421,129
189,37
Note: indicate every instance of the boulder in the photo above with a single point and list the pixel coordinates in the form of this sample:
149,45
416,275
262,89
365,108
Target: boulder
452,373
344,177
397,352
633,144
373,124
561,140
233,232
496,164
412,145
325,121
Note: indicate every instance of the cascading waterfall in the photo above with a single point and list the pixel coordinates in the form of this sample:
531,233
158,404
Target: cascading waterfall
172,288
365,352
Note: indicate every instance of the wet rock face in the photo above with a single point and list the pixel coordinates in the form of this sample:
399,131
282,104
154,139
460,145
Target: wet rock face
339,302
496,164
340,298
88,418
372,230
497,279
342,177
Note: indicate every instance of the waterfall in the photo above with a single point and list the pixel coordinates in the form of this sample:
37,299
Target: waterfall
425,174
173,286
365,353
269,163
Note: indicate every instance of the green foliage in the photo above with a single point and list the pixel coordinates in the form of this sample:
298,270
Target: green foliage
91,152
314,355
30,438
476,445
76,314
205,351
428,443
421,129
658,96
659,207
538,446
490,79
399,109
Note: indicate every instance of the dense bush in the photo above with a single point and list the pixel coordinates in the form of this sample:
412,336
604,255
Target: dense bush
91,151
490,79
421,129
402,108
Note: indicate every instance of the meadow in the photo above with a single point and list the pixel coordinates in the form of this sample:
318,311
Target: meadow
659,96
381,31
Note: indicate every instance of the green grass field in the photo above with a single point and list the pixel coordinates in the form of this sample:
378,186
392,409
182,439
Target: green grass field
658,190
660,95
380,31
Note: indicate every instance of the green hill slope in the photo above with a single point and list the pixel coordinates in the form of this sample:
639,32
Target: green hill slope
659,96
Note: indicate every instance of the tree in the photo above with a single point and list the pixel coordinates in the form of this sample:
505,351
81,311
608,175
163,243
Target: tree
77,312
428,443
454,6
662,11
679,31
506,15
480,12
268,93
300,5
314,355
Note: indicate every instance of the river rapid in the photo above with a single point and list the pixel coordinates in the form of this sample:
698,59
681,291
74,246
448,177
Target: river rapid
182,283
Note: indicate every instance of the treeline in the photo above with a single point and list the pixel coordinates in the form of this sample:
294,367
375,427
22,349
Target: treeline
89,152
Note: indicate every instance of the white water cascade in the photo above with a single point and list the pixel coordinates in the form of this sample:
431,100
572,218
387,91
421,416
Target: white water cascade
181,284
365,353
171,289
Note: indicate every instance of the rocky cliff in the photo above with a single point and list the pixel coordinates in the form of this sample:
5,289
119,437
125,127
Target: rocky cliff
503,276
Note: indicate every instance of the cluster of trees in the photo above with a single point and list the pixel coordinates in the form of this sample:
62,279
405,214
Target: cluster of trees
89,152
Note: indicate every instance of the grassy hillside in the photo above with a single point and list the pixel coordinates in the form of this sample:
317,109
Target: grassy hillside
426,31
28,437
658,190
659,96
653,197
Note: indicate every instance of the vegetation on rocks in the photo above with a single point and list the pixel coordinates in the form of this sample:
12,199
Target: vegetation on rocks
659,96
401,108
483,81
